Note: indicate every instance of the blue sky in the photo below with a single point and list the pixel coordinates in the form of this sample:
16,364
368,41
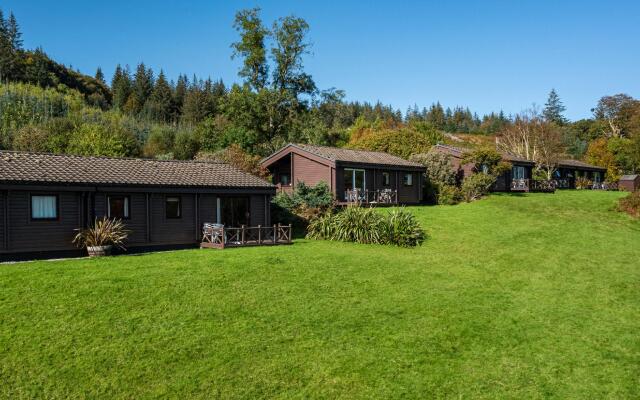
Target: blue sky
487,55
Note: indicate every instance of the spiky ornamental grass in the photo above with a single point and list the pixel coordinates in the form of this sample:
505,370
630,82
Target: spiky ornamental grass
366,225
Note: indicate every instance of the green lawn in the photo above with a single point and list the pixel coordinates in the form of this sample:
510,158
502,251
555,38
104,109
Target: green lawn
532,296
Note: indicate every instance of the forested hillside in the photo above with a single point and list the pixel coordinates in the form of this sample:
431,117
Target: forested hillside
49,107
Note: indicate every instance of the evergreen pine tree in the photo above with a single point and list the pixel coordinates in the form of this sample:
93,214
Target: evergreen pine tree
180,91
121,87
99,75
142,88
162,99
13,32
554,108
10,45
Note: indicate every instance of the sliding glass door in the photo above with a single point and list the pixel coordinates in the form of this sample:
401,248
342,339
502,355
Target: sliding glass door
235,211
354,179
518,172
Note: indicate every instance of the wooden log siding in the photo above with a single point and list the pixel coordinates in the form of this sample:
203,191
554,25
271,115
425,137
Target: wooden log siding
28,235
309,171
3,216
148,223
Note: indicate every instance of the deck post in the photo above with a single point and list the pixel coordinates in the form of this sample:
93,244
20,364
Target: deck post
290,233
259,234
223,239
242,236
275,234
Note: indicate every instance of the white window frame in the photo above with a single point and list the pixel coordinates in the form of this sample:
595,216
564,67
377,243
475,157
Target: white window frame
55,203
353,178
405,181
127,206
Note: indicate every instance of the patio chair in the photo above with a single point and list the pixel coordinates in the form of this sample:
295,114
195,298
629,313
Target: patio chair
212,232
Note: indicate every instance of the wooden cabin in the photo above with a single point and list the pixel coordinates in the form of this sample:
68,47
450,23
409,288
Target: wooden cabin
569,170
518,179
352,175
629,183
45,197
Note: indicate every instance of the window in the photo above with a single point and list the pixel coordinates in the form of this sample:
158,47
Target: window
386,179
118,207
173,207
285,179
408,179
354,179
518,172
485,169
596,177
44,207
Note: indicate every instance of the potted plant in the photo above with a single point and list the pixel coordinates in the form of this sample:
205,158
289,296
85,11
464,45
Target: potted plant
100,238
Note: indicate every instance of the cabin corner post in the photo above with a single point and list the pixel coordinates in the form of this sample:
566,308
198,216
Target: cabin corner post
5,214
196,201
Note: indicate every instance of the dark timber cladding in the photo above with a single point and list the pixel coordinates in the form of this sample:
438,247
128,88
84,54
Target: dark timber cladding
45,197
345,170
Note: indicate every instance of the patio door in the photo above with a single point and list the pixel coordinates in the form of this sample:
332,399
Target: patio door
354,179
354,185
235,211
518,172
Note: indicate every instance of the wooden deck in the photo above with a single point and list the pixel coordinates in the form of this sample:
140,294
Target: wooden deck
223,237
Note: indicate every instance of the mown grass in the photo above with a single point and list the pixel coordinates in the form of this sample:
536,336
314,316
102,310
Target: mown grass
534,296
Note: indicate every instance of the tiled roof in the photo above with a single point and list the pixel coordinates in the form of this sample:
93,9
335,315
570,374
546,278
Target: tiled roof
578,164
460,152
70,169
356,156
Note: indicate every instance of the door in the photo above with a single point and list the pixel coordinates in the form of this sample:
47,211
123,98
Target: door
518,172
235,211
354,179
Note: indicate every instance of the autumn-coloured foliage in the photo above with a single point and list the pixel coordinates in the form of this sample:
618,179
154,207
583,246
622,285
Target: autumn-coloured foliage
235,156
600,154
630,204
402,140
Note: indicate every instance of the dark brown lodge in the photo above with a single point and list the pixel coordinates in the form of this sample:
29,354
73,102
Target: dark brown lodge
44,197
354,176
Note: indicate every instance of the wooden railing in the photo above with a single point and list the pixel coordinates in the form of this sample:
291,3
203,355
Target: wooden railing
564,183
532,185
380,196
221,237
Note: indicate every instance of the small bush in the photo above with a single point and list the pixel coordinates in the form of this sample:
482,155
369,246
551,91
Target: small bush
449,195
583,183
476,186
366,225
403,229
303,204
440,172
630,204
104,232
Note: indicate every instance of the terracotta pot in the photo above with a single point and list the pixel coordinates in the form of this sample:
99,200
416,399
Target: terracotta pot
98,251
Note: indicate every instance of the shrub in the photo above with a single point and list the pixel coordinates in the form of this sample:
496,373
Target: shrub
583,183
366,225
104,232
403,229
487,161
31,138
440,172
438,165
630,204
476,186
237,157
303,204
402,142
448,195
96,139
